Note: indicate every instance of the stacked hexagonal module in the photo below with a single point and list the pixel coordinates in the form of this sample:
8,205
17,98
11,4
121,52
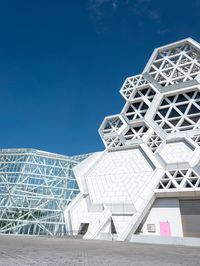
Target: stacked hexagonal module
174,108
129,126
162,111
152,151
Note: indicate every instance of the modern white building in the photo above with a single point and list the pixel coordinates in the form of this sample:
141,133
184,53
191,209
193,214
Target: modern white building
147,180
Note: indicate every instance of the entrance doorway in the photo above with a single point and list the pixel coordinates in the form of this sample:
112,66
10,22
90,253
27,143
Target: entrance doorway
83,228
165,229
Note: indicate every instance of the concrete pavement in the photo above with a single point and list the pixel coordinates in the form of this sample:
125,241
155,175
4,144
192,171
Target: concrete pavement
27,250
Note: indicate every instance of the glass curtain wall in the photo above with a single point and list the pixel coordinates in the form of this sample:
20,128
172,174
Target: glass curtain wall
35,187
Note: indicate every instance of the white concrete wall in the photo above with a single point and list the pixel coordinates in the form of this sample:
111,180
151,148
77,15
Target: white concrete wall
164,210
176,152
119,178
117,183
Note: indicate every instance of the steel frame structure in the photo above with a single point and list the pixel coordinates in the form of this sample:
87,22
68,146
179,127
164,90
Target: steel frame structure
35,187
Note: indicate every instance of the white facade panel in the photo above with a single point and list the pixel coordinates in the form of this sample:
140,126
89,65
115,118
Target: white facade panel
176,152
152,150
164,210
119,177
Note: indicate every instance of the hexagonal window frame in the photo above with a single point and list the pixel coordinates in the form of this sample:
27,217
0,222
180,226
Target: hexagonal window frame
114,132
130,84
175,63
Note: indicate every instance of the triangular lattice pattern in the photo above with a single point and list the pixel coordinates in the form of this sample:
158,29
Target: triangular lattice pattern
178,64
113,142
112,125
196,139
154,142
173,108
131,83
179,112
179,179
136,110
135,132
144,93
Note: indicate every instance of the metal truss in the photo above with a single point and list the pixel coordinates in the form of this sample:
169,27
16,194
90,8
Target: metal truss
35,187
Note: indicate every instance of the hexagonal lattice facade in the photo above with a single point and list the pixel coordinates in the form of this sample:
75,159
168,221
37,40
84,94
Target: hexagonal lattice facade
162,114
165,97
175,63
180,111
131,84
152,148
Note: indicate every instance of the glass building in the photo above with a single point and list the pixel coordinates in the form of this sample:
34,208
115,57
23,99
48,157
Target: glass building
35,187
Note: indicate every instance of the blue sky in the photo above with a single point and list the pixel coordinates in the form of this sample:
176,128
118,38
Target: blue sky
62,64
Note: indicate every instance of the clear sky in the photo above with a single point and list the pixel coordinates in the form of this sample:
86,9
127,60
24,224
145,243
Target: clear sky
63,62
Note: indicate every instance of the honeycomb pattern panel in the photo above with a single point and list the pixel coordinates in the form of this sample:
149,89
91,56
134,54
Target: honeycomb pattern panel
179,112
179,179
112,125
175,65
131,83
174,109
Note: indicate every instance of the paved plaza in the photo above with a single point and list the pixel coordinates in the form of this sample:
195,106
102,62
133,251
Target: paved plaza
20,250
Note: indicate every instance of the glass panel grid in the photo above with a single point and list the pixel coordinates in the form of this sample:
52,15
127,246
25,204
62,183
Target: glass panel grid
35,188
